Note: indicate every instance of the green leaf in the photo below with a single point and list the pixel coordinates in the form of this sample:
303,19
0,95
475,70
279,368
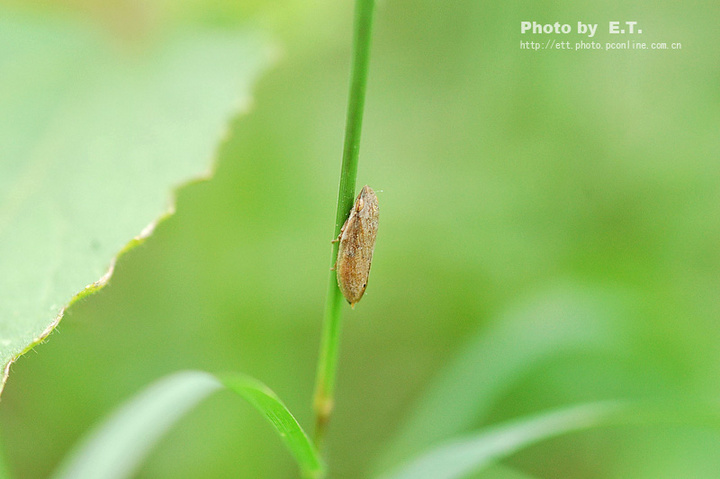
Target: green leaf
456,459
96,133
117,447
265,401
500,471
553,322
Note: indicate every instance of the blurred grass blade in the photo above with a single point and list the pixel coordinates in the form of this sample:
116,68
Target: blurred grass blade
500,471
118,446
292,434
456,459
557,321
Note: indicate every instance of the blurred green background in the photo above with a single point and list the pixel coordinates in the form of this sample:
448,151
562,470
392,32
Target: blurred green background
522,195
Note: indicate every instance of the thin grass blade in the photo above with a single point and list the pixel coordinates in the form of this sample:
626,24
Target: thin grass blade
458,458
118,446
290,431
554,322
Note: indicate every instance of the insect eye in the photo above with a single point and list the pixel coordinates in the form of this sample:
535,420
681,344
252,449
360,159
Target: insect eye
359,204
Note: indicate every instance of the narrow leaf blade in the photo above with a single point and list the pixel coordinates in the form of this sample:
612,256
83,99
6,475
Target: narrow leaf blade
118,446
456,459
290,431
554,322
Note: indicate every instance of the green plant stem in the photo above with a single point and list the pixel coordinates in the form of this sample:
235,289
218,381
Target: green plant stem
327,362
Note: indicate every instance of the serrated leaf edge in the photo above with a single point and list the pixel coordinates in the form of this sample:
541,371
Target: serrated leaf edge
145,233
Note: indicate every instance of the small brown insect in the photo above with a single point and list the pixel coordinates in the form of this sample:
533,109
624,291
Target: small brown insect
357,241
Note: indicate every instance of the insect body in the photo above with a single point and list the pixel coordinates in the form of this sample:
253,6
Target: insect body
357,241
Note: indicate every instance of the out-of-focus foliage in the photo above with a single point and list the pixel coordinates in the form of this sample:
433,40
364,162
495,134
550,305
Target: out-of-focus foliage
96,132
504,176
116,448
460,456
